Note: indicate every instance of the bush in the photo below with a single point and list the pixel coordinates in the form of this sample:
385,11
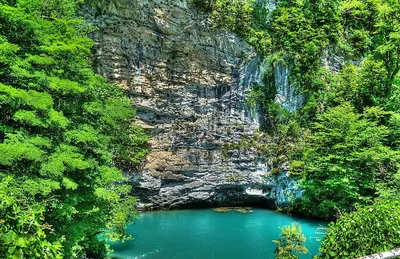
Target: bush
344,160
368,230
290,242
63,130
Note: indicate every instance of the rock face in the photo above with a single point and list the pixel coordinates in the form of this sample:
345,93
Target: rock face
287,93
189,85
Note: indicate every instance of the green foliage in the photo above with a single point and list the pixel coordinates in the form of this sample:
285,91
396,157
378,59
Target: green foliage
344,160
303,29
290,242
205,5
22,230
345,87
300,32
63,131
346,135
236,16
246,18
368,230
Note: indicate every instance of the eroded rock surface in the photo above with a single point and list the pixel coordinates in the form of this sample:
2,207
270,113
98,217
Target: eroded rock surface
189,85
288,95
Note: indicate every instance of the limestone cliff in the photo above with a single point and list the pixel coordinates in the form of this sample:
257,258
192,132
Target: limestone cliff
189,85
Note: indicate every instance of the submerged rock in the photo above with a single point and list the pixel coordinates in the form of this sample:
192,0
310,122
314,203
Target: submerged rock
189,85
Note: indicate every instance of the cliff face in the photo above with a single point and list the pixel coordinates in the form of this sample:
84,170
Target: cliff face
189,85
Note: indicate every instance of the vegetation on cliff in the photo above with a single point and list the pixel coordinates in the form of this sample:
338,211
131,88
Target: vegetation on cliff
344,57
368,230
345,161
63,132
66,134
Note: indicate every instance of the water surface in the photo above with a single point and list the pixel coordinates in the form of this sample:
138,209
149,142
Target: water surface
206,234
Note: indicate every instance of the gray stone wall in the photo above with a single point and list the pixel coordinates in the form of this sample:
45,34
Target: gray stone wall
189,85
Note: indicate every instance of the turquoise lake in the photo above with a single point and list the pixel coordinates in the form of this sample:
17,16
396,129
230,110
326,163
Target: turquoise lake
206,234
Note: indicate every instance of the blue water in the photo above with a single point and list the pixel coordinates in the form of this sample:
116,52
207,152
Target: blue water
206,234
